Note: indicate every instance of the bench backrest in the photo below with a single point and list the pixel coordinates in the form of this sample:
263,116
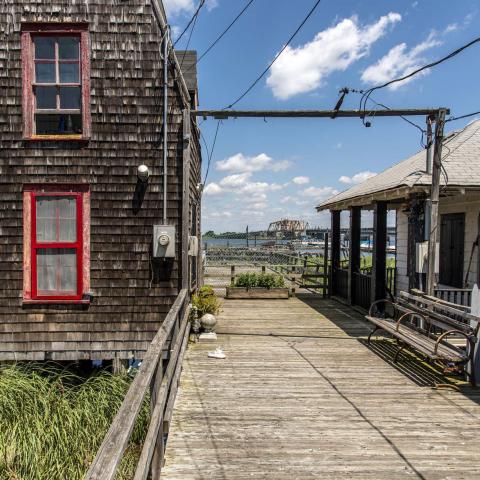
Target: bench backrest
439,313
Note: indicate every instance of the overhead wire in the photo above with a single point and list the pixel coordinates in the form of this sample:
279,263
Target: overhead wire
210,155
264,72
188,42
453,119
369,91
193,19
225,31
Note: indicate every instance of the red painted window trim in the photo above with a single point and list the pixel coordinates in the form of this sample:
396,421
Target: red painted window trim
27,33
78,245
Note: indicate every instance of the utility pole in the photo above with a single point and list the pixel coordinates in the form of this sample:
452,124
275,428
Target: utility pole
247,236
434,198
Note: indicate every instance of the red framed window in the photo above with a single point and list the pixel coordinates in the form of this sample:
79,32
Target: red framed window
56,246
56,81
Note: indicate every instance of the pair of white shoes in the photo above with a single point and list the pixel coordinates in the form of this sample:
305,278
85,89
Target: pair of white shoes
217,353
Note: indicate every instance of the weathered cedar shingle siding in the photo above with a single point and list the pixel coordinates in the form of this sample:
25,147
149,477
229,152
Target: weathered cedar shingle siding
126,106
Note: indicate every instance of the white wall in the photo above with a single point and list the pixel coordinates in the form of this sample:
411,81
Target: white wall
402,249
468,204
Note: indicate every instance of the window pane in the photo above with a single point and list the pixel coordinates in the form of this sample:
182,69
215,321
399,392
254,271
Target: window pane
48,124
68,48
46,97
69,72
45,48
56,219
56,271
70,98
44,72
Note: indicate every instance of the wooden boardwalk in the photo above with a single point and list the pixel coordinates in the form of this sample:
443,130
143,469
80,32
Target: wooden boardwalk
301,396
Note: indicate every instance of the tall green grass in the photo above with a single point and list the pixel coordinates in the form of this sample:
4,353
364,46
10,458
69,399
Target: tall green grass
52,421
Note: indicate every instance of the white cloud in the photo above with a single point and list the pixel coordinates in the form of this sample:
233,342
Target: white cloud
300,180
221,214
319,193
398,62
451,28
305,68
177,7
242,163
357,178
255,188
213,189
236,180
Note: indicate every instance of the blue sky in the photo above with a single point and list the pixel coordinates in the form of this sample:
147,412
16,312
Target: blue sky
266,170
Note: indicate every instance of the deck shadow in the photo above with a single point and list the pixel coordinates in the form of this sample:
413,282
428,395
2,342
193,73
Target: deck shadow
409,364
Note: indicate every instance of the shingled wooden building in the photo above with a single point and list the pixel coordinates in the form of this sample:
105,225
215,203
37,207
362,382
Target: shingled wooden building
92,252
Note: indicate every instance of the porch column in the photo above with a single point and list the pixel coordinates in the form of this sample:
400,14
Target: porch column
354,251
379,274
335,239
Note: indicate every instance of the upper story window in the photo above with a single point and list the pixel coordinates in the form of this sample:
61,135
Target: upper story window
56,81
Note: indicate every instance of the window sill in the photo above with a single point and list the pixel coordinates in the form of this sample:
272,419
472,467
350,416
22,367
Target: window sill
56,138
56,302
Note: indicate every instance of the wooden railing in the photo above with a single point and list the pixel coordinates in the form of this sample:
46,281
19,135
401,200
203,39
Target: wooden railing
460,296
162,381
363,290
340,280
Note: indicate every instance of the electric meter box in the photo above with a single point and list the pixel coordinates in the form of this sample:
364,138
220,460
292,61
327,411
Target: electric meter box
421,262
164,241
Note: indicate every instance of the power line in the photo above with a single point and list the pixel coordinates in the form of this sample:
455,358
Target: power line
193,19
452,119
252,86
368,92
210,155
189,39
245,8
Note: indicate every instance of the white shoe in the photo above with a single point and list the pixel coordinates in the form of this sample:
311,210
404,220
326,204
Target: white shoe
218,353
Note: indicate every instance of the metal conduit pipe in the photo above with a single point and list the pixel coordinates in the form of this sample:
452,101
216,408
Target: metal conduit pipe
165,124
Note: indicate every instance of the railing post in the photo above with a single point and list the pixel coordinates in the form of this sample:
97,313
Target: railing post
379,254
335,263
232,274
354,252
325,266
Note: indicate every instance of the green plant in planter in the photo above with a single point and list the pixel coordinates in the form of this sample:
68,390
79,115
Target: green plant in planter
259,280
205,301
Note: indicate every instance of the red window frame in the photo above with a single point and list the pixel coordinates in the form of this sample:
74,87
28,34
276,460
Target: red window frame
28,33
78,245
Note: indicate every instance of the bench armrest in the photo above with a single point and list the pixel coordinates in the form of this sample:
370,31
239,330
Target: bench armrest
381,301
406,315
445,334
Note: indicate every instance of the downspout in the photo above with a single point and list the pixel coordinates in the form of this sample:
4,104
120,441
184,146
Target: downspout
165,124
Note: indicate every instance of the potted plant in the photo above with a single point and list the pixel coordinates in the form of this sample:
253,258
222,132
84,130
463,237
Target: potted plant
205,305
258,285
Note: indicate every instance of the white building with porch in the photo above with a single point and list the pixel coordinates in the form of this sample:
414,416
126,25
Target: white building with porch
405,188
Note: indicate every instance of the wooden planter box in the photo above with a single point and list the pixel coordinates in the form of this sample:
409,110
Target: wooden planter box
257,293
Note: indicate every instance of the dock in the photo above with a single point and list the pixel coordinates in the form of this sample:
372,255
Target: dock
301,395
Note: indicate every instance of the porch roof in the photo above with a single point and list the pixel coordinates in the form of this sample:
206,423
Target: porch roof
460,159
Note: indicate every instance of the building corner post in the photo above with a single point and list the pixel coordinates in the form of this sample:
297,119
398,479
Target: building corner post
379,256
335,262
434,198
354,252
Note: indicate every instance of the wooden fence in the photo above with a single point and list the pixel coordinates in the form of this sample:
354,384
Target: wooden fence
160,376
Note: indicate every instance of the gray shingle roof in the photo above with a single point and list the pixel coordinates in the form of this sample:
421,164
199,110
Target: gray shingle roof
460,159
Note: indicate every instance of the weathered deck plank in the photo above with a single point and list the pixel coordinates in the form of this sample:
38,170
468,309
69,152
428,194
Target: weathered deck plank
300,396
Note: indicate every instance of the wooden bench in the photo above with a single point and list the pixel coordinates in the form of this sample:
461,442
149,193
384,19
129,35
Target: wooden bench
431,326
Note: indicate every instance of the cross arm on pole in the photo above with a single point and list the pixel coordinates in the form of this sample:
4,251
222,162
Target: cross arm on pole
225,114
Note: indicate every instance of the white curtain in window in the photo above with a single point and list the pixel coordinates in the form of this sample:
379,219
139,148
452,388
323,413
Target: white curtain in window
56,270
56,219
